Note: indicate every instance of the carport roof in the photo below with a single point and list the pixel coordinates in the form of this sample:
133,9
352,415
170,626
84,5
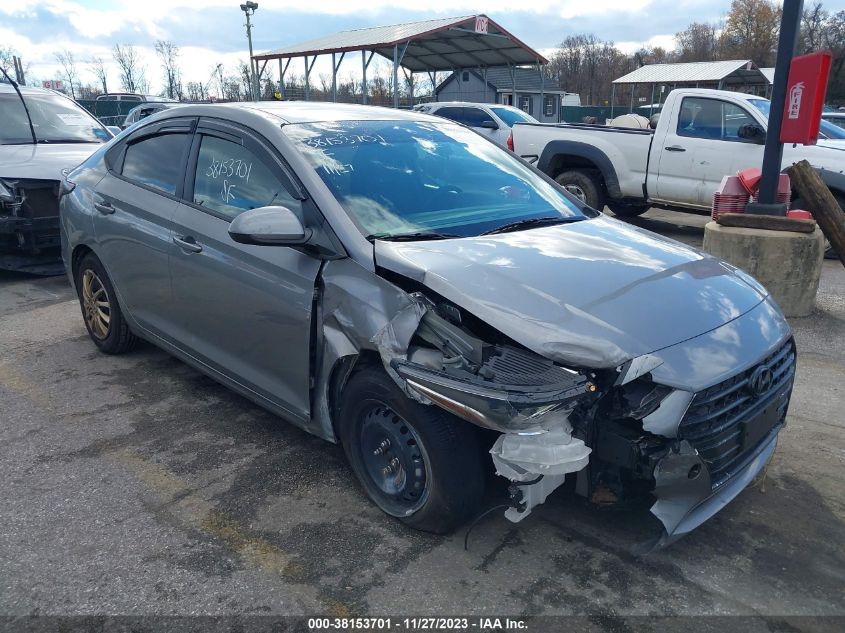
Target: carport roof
442,44
741,69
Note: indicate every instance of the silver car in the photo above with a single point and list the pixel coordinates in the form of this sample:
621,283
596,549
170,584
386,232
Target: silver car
392,281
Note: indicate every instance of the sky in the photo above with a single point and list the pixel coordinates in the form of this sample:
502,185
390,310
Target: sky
210,32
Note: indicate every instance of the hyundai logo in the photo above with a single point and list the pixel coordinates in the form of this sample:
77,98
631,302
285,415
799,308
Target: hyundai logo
760,381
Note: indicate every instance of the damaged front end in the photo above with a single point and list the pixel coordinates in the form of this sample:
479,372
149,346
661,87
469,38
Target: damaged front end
29,225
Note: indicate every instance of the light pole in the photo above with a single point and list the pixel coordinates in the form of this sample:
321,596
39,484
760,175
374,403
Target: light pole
249,9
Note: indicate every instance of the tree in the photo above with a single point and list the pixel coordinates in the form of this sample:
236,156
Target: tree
751,31
68,64
98,68
131,67
698,43
168,53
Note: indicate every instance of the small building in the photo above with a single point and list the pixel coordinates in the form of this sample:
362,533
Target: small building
517,86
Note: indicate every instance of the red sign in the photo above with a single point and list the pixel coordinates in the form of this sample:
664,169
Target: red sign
481,24
805,93
52,84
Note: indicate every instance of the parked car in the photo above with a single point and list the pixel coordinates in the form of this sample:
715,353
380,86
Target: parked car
392,281
700,136
835,118
489,119
42,132
132,97
144,110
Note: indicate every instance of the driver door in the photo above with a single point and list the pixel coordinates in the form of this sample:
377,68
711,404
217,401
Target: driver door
243,310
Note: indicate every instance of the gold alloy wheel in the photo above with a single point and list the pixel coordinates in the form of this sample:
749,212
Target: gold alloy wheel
95,304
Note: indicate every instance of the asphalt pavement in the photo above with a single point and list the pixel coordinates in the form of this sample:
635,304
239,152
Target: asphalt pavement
135,485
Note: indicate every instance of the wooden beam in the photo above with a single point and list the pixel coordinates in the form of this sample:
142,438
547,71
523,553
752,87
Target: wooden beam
821,203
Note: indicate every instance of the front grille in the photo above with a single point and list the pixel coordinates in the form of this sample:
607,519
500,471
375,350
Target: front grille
715,423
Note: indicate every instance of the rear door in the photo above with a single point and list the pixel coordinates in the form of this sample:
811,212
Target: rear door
244,311
134,206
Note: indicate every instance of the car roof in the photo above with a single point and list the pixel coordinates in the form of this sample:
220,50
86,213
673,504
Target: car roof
304,111
461,104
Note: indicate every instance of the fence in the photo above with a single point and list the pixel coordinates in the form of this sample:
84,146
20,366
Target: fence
576,114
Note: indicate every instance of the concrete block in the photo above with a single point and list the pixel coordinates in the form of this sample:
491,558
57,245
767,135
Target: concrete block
788,264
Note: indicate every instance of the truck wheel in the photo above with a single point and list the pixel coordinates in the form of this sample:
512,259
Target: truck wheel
627,210
101,312
829,252
582,184
415,461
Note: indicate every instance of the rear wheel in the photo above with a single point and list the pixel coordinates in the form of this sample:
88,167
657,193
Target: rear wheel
104,320
627,210
829,252
584,185
416,462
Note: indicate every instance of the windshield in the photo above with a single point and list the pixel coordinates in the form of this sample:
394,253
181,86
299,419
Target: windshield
513,116
55,119
828,129
398,178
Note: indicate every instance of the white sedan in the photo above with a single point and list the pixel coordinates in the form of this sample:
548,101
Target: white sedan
489,119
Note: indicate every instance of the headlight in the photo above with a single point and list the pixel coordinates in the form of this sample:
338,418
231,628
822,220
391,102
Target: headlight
504,409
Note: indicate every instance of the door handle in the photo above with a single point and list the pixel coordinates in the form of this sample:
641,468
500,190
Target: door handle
188,244
675,148
105,208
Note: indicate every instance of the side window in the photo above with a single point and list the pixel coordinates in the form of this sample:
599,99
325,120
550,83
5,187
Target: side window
454,114
700,118
734,118
156,161
230,179
474,117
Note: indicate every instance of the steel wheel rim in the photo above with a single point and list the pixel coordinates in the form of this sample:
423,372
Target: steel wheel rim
95,305
576,191
394,460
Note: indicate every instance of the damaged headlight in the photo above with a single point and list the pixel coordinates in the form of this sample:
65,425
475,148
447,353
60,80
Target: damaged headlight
500,407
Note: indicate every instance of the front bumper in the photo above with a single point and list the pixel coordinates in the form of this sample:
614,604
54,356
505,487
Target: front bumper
29,227
683,504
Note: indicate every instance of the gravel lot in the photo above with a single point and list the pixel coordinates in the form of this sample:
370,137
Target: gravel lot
135,485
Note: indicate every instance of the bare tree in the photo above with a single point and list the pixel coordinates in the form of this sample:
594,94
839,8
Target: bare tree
7,56
131,68
699,42
68,64
168,53
98,67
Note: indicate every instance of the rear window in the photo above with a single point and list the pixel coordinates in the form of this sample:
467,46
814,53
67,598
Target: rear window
156,161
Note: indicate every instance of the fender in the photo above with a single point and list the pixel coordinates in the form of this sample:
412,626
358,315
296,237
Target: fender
588,152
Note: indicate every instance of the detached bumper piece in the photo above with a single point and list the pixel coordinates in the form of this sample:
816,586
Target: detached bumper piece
29,226
727,437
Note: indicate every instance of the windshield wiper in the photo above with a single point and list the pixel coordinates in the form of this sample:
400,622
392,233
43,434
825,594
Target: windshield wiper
529,223
414,237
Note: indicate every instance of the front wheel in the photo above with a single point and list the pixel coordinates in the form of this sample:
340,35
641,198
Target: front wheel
415,461
584,185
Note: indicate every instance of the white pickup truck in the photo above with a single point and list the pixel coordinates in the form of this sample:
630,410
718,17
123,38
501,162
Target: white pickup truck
700,136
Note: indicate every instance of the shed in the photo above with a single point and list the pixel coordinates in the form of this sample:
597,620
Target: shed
444,44
521,87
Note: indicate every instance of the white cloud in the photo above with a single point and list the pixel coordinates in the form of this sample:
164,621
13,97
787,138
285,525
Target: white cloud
666,41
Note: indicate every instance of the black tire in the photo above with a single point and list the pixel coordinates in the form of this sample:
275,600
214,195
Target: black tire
583,184
627,210
829,252
96,293
439,479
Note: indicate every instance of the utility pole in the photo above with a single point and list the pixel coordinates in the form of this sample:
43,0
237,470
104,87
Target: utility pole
790,25
249,9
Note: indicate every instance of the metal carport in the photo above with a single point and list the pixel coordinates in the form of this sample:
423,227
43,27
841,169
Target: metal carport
446,44
727,75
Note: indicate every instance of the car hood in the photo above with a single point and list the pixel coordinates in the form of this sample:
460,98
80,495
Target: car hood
43,162
593,293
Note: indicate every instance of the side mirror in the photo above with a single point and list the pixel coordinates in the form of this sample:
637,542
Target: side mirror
277,226
489,124
752,133
114,129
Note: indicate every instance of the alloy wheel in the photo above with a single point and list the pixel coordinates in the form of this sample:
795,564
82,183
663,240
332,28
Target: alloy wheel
95,304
